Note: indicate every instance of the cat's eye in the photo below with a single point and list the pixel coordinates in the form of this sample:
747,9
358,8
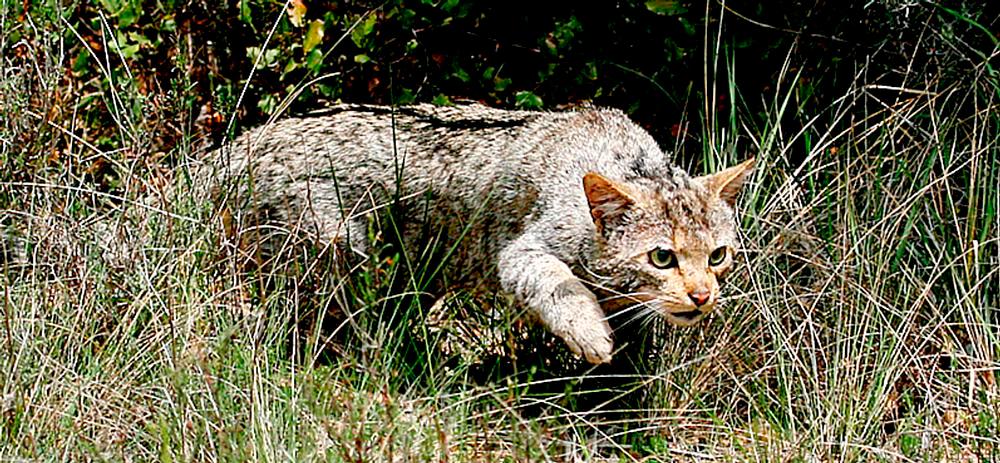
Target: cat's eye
662,258
717,256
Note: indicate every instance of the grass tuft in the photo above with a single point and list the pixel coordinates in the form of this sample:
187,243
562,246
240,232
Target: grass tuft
862,323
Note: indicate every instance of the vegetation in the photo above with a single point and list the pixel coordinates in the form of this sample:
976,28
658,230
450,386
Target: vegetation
861,325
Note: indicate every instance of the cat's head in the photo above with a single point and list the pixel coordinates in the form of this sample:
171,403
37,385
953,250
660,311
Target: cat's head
665,244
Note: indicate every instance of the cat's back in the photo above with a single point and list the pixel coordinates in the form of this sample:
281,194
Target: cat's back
448,134
463,153
382,135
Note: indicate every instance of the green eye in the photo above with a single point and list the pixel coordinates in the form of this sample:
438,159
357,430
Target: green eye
717,256
662,258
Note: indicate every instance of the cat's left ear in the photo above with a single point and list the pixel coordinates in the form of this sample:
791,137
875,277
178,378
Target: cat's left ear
726,184
608,200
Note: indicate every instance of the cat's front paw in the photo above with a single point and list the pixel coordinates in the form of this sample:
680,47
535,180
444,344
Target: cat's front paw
574,315
592,341
581,323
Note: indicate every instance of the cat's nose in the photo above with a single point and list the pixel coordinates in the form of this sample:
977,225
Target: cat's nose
699,297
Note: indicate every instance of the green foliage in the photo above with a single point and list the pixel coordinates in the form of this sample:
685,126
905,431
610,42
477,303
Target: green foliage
404,51
666,7
861,323
528,100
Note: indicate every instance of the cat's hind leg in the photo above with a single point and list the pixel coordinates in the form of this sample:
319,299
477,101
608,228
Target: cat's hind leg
333,223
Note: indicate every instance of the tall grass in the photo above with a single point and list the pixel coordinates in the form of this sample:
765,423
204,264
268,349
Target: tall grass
860,326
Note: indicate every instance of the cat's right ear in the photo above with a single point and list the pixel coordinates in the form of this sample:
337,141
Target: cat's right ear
607,200
726,184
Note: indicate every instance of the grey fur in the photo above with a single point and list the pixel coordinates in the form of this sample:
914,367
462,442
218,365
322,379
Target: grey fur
512,180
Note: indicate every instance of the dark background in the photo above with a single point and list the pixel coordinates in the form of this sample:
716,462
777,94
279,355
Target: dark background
178,66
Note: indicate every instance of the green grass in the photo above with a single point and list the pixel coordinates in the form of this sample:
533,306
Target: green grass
861,325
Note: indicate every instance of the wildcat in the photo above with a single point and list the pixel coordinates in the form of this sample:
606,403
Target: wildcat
556,208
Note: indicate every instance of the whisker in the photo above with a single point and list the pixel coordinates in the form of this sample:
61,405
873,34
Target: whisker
625,295
645,313
647,320
625,311
601,286
593,273
616,294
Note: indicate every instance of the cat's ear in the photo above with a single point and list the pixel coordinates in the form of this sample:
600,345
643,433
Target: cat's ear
607,199
726,184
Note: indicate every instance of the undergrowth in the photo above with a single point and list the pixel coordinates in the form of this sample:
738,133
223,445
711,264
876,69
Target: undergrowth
861,324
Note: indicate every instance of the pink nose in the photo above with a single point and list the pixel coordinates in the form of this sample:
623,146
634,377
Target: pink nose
700,297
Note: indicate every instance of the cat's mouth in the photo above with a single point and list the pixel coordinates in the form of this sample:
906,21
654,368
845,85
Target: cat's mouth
684,318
